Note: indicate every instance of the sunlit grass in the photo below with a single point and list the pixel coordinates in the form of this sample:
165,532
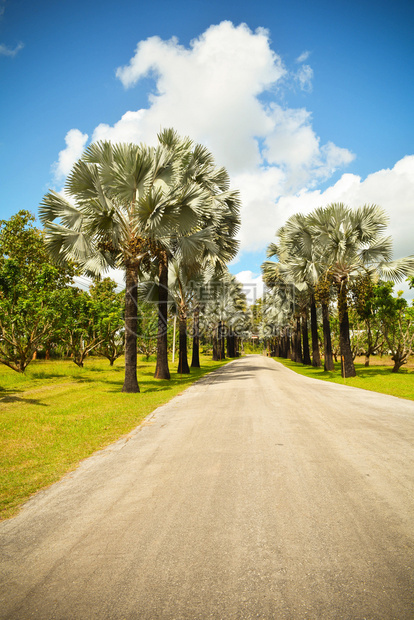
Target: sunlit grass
57,414
377,377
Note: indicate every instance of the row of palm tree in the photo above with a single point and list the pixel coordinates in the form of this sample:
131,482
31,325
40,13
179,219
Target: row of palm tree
149,211
323,253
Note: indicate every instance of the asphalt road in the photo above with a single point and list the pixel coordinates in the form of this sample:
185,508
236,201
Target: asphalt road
257,493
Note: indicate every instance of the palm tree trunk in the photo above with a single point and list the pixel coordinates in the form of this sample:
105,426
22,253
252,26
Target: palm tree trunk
131,323
347,362
216,348
275,348
316,356
195,360
288,344
231,343
161,370
222,341
183,368
305,338
327,342
297,343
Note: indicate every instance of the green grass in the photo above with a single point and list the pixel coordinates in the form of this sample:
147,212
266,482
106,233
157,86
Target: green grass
57,414
376,378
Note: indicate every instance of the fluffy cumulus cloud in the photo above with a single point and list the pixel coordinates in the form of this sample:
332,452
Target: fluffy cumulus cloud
75,143
253,286
213,91
223,90
209,91
258,190
392,189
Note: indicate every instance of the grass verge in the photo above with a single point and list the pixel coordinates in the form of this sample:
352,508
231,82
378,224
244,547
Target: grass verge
57,414
376,378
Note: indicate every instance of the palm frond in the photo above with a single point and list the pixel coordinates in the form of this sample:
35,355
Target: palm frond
397,270
380,250
55,207
65,244
272,250
100,152
191,248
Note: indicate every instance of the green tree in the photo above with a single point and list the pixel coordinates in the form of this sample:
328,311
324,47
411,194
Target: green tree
299,265
364,301
31,288
397,323
80,328
223,312
109,308
219,216
147,337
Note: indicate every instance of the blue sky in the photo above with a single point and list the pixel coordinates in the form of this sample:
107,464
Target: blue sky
306,103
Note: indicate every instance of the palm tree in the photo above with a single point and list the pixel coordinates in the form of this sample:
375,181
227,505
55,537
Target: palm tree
276,320
131,210
224,313
184,282
279,275
301,267
214,231
352,243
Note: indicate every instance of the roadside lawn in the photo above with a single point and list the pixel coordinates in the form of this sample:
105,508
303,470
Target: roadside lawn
377,377
57,414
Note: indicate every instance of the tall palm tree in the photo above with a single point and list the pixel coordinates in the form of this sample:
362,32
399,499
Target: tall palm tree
185,280
277,320
217,224
129,210
352,243
224,312
279,275
301,267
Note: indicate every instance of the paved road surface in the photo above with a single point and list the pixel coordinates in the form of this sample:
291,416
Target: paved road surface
257,493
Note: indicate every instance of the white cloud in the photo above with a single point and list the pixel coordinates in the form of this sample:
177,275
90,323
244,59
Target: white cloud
266,207
304,78
130,128
222,91
211,92
259,216
75,143
392,189
8,51
303,57
253,285
292,143
294,146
